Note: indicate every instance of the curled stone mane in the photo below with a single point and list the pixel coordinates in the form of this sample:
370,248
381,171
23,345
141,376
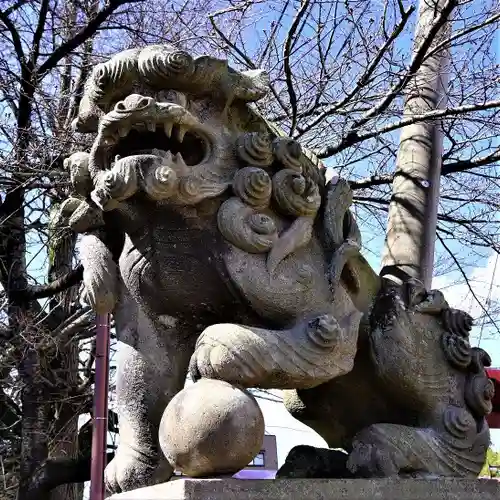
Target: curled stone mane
165,67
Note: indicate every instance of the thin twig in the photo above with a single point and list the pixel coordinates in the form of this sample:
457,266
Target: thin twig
287,53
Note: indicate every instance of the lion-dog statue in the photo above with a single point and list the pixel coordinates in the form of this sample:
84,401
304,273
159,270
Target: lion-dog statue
220,249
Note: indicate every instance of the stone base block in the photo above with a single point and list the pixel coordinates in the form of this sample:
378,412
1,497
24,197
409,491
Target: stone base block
318,489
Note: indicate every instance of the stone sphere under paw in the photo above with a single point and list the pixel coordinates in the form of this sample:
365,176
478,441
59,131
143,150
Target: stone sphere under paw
211,428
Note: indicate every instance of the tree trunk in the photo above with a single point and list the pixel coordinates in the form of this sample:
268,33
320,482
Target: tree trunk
64,366
34,394
64,443
412,221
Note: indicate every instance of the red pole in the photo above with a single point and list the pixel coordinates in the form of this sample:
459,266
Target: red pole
101,387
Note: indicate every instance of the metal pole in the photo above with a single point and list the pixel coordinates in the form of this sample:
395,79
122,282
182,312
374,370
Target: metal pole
101,385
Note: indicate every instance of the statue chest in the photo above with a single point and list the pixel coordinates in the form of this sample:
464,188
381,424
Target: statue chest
177,270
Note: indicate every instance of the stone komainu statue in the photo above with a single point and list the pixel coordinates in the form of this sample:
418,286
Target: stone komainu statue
220,249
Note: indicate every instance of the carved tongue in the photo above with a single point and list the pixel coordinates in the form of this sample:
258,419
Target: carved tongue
161,153
141,161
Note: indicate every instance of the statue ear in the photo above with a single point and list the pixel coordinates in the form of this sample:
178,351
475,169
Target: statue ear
88,116
361,281
342,235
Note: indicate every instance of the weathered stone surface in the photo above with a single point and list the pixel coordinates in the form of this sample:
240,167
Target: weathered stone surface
319,489
210,218
424,409
220,249
211,428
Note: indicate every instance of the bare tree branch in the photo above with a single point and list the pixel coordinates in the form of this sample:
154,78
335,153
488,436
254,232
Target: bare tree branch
238,51
354,138
70,279
84,34
447,169
464,274
16,39
56,472
292,96
35,43
416,62
366,75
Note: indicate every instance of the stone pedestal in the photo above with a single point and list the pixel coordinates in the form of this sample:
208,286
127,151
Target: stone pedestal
318,489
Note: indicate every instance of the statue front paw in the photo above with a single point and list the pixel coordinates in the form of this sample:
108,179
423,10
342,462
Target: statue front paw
368,460
384,450
101,289
100,274
130,470
304,356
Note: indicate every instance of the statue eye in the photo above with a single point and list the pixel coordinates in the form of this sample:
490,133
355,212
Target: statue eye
172,96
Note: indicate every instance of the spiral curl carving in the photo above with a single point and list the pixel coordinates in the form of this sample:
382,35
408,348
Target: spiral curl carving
255,149
116,72
295,194
121,181
288,152
324,332
458,422
305,275
479,392
456,349
480,359
78,166
245,228
190,189
457,322
157,65
254,187
160,183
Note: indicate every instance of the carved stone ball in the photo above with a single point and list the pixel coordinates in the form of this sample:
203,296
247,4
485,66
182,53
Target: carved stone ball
211,428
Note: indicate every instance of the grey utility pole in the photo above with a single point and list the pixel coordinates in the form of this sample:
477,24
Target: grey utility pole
412,221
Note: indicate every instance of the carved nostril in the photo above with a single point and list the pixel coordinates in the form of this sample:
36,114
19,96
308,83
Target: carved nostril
134,102
120,106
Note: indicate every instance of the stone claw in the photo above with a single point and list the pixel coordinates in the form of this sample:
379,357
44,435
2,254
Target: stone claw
367,460
129,468
325,331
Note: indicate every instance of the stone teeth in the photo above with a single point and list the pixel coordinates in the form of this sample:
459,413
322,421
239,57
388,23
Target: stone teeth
181,132
151,126
167,126
179,158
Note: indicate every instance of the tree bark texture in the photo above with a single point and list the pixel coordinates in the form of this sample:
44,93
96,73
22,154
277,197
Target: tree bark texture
66,406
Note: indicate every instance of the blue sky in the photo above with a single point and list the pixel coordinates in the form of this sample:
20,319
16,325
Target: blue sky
290,432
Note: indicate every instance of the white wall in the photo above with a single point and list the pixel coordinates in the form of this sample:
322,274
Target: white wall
289,432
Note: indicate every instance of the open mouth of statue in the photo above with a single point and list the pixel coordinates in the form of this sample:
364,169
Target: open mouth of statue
140,125
160,139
